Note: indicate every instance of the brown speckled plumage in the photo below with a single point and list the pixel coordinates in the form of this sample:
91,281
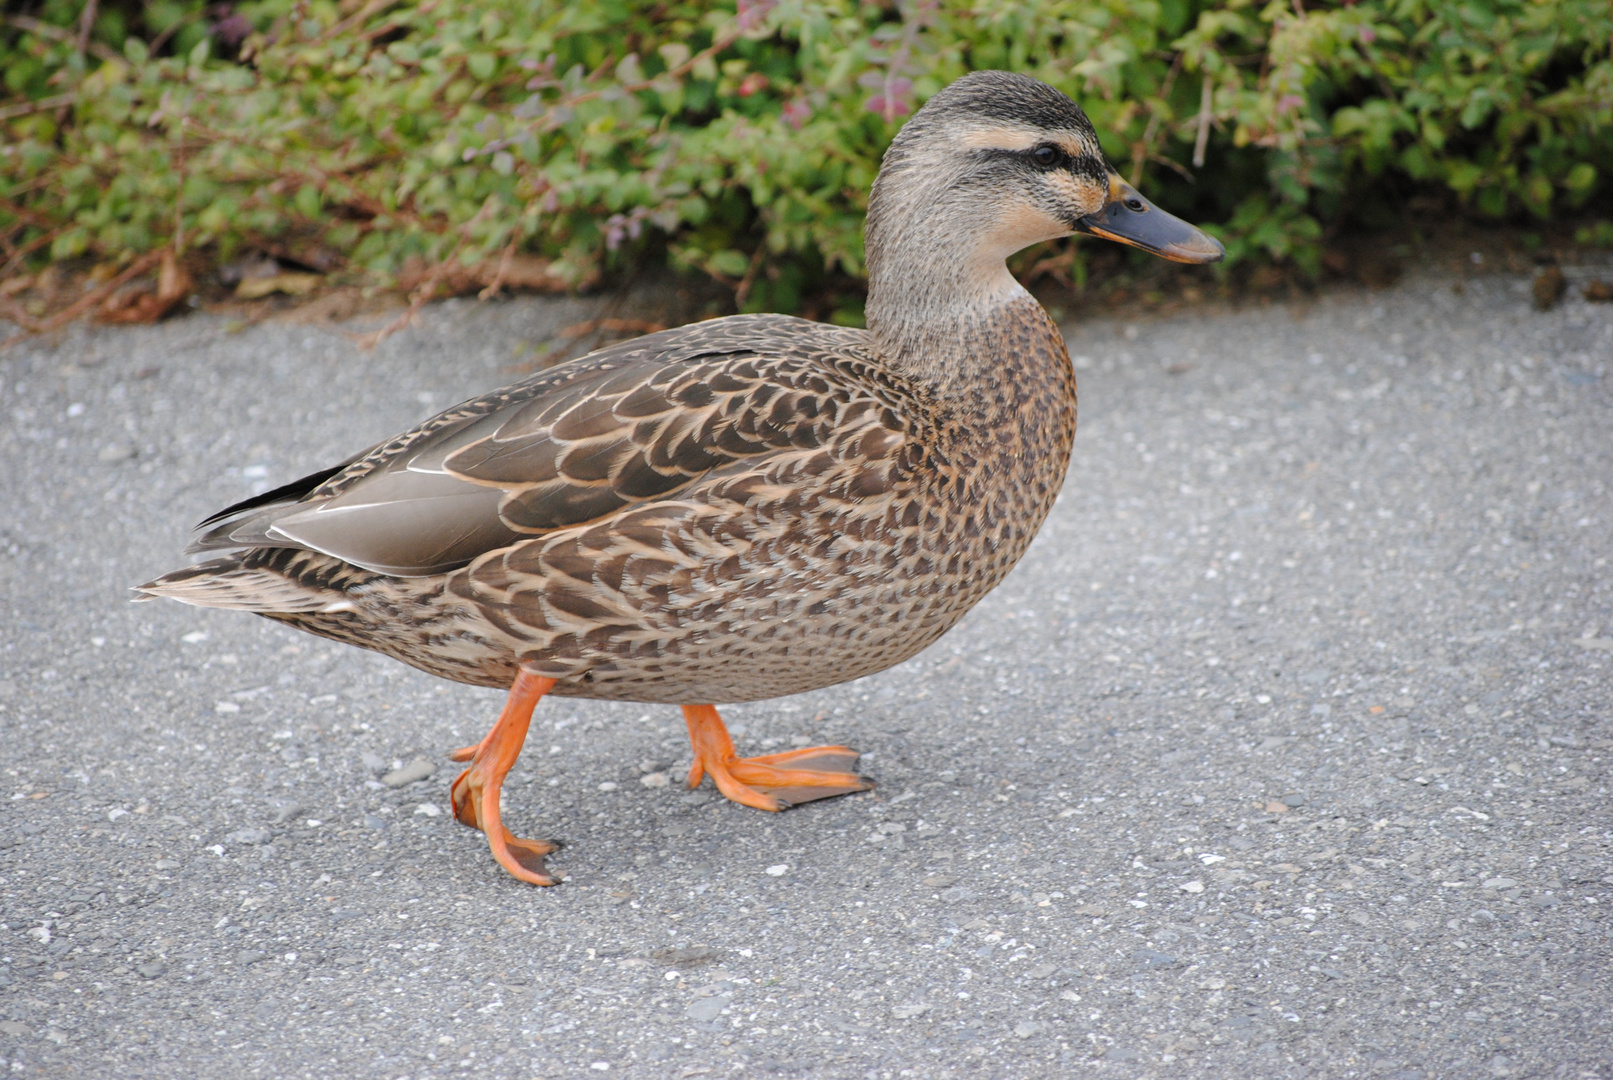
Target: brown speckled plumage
818,516
737,509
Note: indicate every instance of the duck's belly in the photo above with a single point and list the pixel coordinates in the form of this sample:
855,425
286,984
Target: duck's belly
785,645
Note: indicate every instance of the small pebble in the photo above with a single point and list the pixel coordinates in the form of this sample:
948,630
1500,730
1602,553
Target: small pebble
778,870
150,971
1192,886
417,770
284,811
372,761
249,836
609,785
708,1008
427,810
654,780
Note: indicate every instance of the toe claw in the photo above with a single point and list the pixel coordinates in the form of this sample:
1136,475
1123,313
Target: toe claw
772,781
474,796
528,854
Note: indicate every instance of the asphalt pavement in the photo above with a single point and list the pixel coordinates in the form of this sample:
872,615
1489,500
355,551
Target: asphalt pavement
1284,753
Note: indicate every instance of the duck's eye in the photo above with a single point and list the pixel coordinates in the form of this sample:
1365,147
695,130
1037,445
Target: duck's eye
1135,205
1047,155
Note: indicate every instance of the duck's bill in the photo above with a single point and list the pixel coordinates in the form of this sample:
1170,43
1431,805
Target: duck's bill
1128,218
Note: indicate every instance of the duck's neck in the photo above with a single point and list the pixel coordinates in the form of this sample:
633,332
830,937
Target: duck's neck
942,306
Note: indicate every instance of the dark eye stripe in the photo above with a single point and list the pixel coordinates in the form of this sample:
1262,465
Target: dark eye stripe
1087,166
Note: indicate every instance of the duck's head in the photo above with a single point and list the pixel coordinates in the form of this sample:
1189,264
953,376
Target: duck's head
996,162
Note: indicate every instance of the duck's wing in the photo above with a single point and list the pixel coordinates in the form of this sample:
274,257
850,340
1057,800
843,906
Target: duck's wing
637,422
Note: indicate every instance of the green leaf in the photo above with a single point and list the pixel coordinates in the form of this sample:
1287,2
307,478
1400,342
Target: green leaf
730,262
70,243
1581,178
308,201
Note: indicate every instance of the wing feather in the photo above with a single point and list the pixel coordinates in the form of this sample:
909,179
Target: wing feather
638,422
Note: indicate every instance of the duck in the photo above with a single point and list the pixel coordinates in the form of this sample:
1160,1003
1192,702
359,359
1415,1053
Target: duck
738,509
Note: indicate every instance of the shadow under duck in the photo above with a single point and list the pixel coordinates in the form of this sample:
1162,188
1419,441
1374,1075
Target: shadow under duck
737,509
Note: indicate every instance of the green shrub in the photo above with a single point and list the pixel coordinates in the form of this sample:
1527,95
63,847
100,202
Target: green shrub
363,135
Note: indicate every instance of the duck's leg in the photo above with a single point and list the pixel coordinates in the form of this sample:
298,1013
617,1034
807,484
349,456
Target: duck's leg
475,794
817,772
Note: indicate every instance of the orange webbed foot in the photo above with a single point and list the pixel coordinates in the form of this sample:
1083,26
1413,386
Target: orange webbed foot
816,772
475,794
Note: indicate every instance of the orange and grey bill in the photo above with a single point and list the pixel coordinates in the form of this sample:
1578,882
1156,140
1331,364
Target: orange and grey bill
1128,218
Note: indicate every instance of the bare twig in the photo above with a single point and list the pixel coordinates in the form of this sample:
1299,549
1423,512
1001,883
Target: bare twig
21,253
373,7
45,29
746,283
12,310
1144,146
91,298
179,191
32,217
497,283
11,112
1176,166
1206,99
86,23
173,28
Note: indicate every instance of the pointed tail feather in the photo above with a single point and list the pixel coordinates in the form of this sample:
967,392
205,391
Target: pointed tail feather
228,583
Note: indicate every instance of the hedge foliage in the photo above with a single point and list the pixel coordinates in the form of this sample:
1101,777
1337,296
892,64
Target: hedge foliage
365,134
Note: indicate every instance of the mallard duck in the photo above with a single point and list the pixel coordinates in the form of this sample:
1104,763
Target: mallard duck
737,509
